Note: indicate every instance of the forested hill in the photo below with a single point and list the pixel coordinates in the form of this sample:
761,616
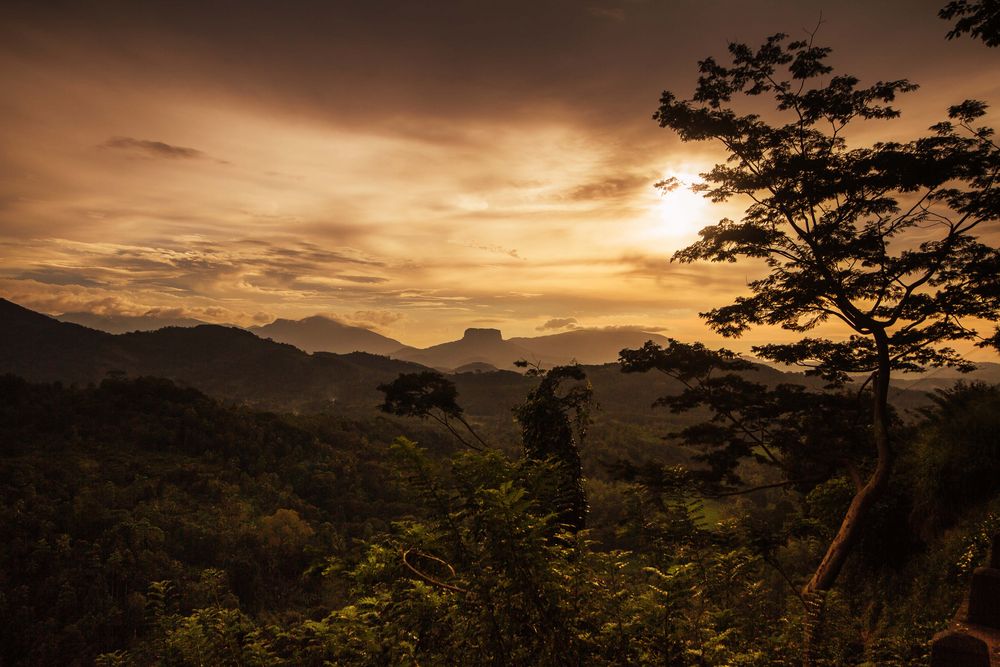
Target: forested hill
105,490
226,362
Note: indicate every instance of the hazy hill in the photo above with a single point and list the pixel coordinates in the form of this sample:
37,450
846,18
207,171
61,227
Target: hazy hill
322,334
942,378
226,362
476,367
487,346
928,381
117,324
586,346
476,346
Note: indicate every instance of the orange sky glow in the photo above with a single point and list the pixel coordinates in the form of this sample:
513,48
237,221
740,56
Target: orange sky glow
416,168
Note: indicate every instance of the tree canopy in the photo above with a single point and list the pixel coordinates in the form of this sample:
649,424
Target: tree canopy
979,19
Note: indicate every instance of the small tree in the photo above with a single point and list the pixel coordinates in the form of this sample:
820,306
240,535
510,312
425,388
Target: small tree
880,238
429,394
547,433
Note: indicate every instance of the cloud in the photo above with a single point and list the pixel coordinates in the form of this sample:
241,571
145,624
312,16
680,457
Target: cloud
559,323
58,276
641,328
369,280
372,319
492,248
156,149
614,187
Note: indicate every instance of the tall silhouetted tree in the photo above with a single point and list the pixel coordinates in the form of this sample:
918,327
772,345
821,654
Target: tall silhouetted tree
553,422
880,239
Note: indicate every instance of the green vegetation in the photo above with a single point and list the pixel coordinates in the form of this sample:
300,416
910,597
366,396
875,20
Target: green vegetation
148,524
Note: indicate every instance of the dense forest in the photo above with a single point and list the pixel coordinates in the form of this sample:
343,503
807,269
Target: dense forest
147,523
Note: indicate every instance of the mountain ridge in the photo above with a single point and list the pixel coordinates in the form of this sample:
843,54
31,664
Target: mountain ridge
116,324
318,333
226,362
236,365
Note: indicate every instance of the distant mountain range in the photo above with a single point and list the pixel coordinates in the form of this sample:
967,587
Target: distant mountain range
322,334
587,346
235,364
477,347
487,346
225,362
117,324
929,380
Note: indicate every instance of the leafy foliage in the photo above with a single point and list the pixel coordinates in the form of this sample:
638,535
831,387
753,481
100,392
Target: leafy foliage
803,437
428,394
980,19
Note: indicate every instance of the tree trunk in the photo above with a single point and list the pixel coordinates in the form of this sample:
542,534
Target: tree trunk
850,528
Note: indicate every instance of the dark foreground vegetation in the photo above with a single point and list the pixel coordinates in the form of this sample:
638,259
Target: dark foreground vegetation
145,523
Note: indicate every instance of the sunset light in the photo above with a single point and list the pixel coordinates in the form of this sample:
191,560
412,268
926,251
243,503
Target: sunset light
395,332
280,182
682,211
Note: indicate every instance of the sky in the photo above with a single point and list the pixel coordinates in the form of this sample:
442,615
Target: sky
413,167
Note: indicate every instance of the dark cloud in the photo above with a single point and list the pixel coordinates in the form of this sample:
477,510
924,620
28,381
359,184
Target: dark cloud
370,280
57,276
311,254
409,62
154,148
613,187
559,323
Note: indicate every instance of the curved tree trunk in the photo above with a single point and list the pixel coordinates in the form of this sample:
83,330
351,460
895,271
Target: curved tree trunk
847,535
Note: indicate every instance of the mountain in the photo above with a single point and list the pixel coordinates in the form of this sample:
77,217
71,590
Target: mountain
942,378
932,379
225,362
322,334
476,367
477,346
586,346
235,365
38,347
487,346
117,324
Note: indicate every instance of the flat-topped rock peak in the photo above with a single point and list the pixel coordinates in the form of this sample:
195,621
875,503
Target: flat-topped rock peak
483,335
